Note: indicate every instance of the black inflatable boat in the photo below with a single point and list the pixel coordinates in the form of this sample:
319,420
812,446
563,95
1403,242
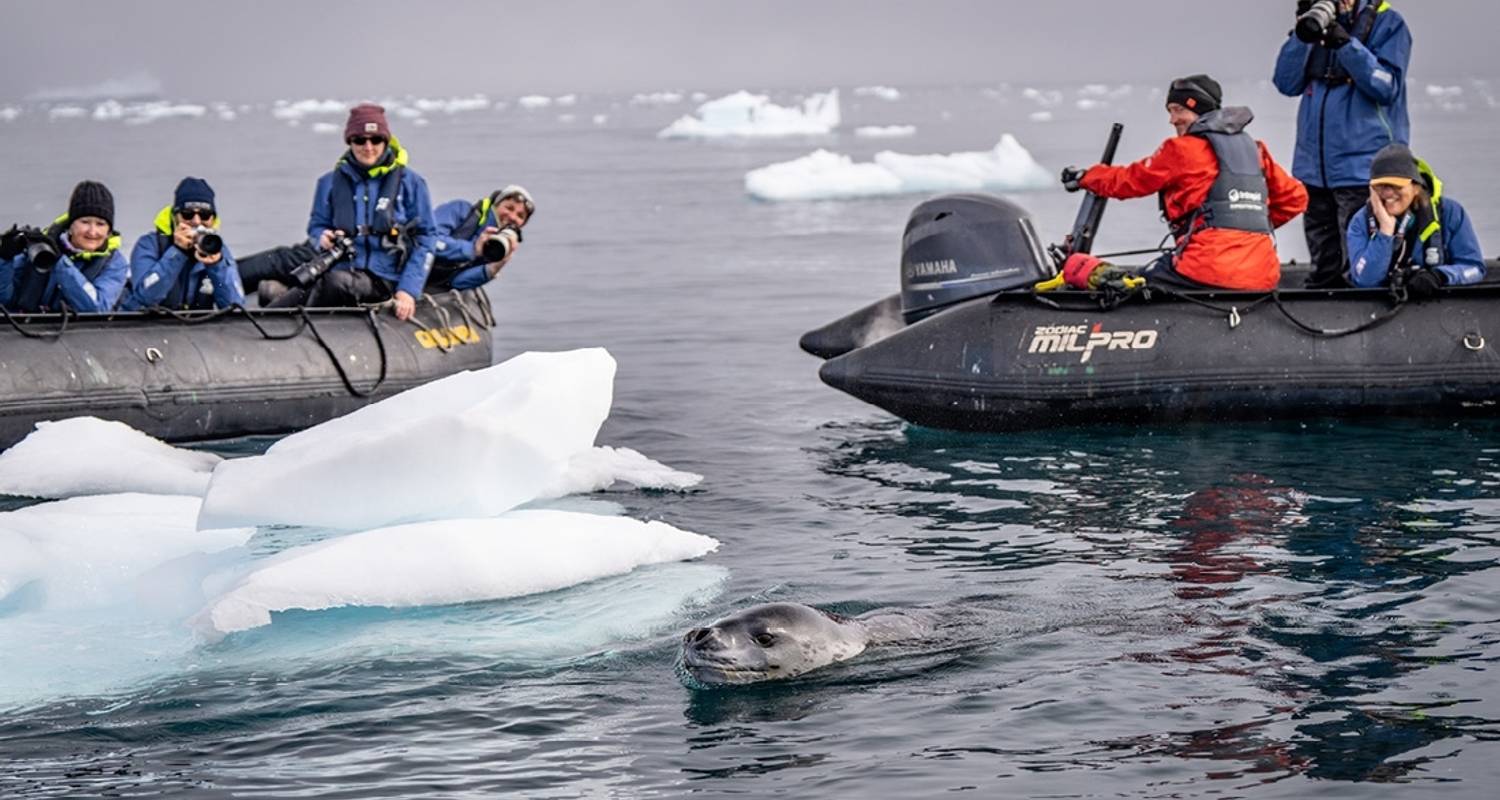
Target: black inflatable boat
968,345
213,375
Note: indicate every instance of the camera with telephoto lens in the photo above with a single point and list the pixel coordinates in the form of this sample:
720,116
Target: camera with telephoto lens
207,241
38,248
306,274
498,247
1311,25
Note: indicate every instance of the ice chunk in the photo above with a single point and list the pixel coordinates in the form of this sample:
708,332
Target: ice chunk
566,100
66,112
302,108
9,113
1087,104
1040,116
109,109
88,552
142,113
474,444
886,131
454,105
448,562
88,455
882,92
753,115
535,101
824,175
656,99
600,119
600,467
1045,99
326,127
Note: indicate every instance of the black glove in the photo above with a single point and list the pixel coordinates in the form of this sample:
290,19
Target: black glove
1335,36
1425,282
12,243
1071,177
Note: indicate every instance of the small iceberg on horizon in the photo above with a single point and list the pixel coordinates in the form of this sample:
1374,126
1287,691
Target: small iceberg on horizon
824,175
747,115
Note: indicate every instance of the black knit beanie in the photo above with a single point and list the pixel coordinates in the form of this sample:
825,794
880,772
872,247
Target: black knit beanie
1197,93
92,199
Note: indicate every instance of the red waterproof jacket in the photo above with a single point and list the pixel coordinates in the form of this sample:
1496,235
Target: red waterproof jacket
1182,170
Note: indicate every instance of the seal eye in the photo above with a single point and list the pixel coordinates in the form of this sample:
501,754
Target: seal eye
765,639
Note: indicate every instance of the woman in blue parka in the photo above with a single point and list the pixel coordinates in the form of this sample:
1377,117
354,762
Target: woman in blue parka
375,200
1410,229
75,263
184,263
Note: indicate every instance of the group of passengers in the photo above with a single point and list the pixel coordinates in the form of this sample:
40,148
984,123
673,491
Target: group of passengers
372,230
1374,213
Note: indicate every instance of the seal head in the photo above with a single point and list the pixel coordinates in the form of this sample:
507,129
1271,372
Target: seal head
768,642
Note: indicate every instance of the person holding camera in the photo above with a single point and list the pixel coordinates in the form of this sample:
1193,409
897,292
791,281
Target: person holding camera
74,264
1408,233
1219,189
476,240
1347,59
184,263
372,221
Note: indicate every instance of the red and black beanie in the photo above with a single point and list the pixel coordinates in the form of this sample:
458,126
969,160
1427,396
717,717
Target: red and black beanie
1197,93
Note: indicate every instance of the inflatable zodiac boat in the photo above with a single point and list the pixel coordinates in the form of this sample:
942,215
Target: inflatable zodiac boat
968,344
237,372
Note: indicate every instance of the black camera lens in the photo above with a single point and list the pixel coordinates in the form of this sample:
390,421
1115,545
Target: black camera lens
42,255
210,243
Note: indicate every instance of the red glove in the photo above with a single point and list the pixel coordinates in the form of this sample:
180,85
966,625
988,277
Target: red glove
1078,268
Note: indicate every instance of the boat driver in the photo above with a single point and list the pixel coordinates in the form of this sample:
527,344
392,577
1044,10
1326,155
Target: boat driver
1409,231
184,263
476,240
1219,189
75,263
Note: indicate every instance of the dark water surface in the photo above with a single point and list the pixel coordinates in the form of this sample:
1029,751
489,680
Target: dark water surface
1270,610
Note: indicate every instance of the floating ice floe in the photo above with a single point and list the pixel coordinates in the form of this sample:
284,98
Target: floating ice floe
656,99
1087,104
326,127
600,467
8,113
882,92
829,176
1040,116
90,551
600,119
67,112
447,562
566,100
1046,99
87,455
753,115
285,109
886,131
533,101
453,105
485,441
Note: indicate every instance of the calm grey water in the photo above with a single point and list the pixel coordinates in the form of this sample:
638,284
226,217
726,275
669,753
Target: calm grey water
1256,611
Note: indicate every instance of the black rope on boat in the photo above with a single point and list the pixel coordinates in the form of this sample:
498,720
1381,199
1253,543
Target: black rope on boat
48,336
1379,319
438,339
370,313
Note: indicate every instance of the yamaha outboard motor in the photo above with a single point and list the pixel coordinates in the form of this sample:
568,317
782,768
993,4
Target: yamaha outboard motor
961,246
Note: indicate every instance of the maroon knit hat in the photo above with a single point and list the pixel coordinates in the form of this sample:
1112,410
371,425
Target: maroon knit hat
366,119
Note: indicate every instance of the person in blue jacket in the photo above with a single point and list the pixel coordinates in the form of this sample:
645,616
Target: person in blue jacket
183,263
466,230
75,263
1408,231
1351,76
374,199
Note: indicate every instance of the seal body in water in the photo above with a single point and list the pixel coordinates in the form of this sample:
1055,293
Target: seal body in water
776,641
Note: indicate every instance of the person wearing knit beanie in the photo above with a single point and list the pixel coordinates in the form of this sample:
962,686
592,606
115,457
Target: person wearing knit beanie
92,199
75,264
367,119
184,263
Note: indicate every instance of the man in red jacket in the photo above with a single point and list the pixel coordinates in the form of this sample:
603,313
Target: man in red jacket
1220,192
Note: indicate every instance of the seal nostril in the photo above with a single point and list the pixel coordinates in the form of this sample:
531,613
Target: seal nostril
696,635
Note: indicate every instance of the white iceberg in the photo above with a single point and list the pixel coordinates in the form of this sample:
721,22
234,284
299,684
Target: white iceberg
600,467
109,109
656,99
88,455
448,562
882,92
453,105
66,112
142,113
326,127
830,176
566,99
487,441
285,109
1040,116
886,131
1046,99
89,552
534,101
753,115
9,113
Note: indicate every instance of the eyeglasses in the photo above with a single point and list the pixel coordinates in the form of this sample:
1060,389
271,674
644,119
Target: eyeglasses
363,140
195,214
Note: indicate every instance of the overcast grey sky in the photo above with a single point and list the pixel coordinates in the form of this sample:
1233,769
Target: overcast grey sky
265,49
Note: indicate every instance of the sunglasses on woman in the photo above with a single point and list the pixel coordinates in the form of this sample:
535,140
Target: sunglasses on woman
362,140
195,215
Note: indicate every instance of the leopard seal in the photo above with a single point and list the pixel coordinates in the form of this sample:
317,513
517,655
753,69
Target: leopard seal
776,641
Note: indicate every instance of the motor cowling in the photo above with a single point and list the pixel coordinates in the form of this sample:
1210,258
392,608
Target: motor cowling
960,246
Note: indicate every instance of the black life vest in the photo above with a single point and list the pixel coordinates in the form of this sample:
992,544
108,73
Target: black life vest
1240,196
1323,64
380,211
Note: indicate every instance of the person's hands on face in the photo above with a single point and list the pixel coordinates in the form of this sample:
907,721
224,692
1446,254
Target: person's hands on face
406,305
1383,218
325,242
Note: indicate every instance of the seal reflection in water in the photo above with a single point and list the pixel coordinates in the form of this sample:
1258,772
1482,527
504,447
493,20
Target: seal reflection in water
777,641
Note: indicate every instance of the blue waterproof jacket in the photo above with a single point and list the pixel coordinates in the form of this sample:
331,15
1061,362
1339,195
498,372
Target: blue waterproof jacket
163,274
1371,255
86,282
1341,125
454,251
412,211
